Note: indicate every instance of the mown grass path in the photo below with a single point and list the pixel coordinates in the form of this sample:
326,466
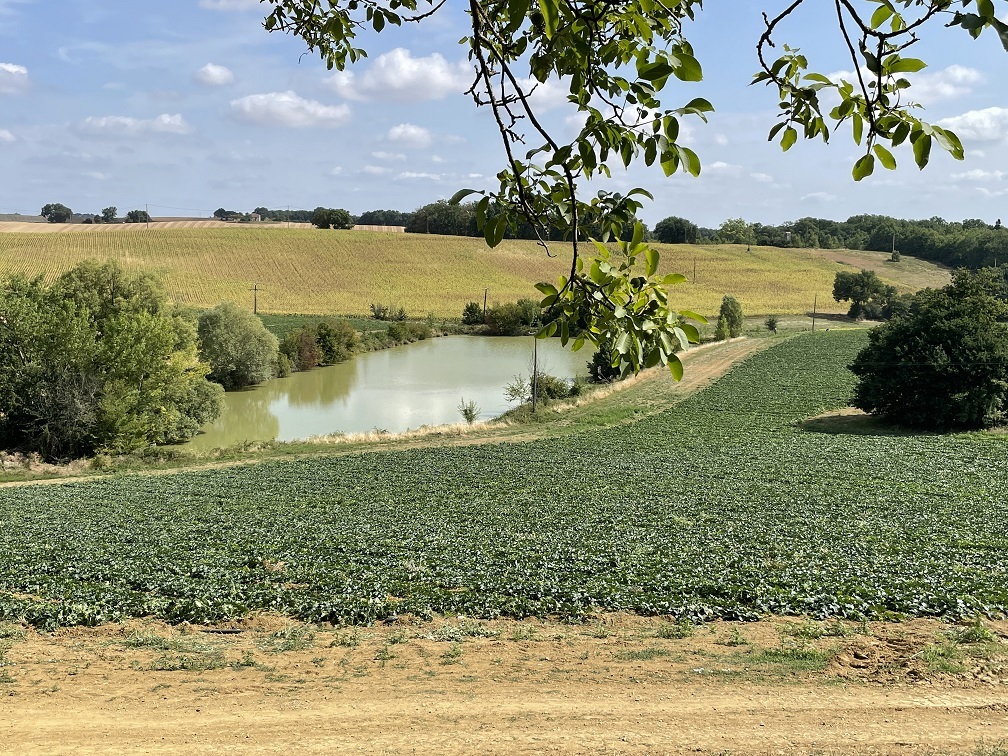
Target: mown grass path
722,506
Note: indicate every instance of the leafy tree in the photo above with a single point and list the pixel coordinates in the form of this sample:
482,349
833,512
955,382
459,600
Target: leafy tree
861,290
944,363
673,230
731,313
736,231
57,213
385,218
82,373
109,214
615,59
721,332
239,349
325,217
771,323
221,213
137,216
472,314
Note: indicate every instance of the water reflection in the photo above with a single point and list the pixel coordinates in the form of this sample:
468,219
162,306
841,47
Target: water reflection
394,389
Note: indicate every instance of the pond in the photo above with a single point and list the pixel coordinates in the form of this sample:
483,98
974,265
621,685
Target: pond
393,389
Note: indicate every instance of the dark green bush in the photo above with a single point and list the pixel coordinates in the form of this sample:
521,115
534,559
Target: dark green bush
944,363
731,311
505,320
240,350
472,314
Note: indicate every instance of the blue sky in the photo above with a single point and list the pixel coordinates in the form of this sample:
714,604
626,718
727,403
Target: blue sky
190,105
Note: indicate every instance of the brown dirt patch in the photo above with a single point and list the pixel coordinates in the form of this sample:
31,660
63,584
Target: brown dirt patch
621,684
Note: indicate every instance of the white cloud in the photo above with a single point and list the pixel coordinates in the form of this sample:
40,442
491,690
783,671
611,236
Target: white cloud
7,137
214,76
954,81
288,109
720,140
410,135
819,197
978,174
763,178
390,156
415,175
336,170
118,126
987,125
229,5
397,76
13,78
719,166
97,175
375,170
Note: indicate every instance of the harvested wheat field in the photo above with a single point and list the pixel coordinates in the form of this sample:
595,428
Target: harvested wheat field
306,270
616,685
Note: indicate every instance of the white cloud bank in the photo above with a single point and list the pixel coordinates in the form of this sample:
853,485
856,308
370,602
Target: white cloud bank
214,76
13,78
124,126
396,76
410,134
987,125
6,137
290,110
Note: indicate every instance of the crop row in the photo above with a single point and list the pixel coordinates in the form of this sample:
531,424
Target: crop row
316,272
722,507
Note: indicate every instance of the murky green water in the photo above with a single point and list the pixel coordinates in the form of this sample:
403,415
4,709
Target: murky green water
394,389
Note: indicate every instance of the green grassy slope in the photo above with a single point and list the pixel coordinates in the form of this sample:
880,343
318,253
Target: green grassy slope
722,506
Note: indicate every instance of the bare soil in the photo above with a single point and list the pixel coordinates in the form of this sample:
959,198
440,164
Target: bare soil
617,685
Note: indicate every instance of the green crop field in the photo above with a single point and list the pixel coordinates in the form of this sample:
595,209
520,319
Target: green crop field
344,272
723,506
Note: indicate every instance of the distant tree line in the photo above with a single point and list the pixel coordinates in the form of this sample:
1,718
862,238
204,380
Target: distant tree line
971,243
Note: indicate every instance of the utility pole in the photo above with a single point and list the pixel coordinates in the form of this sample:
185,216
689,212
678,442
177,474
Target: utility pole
255,299
486,291
147,213
815,302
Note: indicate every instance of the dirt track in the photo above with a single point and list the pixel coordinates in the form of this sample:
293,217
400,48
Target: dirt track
621,685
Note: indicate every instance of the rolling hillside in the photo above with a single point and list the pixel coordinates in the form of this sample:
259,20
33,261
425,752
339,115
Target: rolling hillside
342,272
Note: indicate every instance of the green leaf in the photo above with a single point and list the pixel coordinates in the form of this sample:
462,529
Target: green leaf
864,167
922,150
551,17
494,231
789,138
905,65
461,194
885,157
882,14
652,258
688,69
675,366
1002,31
693,316
672,279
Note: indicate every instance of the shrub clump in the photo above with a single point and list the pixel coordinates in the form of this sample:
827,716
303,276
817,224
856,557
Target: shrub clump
240,350
731,314
98,362
943,364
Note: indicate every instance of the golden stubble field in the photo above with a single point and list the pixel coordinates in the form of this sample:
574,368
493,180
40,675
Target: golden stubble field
305,270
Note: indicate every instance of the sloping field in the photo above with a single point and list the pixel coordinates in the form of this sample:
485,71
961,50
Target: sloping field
342,272
723,506
20,227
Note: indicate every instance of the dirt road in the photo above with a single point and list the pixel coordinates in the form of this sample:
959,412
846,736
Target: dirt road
623,685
